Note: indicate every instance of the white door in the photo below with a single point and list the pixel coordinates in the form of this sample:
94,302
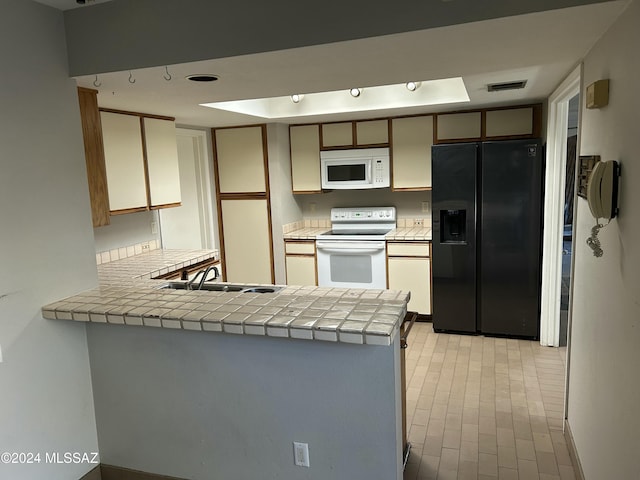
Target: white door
190,225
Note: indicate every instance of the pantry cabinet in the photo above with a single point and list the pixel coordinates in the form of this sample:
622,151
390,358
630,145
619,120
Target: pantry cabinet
301,264
412,139
409,268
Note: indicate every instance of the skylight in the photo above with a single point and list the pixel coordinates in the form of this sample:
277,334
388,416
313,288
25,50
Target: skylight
432,92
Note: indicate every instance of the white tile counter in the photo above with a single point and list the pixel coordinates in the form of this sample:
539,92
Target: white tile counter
127,296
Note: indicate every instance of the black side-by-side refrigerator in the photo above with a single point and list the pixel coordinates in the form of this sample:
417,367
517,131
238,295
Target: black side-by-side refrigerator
487,222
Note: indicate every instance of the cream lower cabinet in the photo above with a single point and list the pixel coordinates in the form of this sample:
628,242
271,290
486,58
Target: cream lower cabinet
246,241
300,258
409,268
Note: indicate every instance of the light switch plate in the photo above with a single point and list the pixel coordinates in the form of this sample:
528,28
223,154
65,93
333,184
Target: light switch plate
301,454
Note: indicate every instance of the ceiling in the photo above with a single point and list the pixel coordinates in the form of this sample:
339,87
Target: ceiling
541,48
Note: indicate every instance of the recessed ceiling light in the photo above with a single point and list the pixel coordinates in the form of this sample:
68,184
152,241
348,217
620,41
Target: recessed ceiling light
202,77
355,92
412,86
296,97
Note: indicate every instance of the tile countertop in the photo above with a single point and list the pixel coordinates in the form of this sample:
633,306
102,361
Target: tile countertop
128,296
416,234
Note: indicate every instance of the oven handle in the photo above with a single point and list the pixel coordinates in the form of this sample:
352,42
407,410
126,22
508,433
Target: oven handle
360,247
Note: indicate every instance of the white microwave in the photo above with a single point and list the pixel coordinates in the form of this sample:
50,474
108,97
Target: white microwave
355,169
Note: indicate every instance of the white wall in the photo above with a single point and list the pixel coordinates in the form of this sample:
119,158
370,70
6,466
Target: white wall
604,384
126,230
46,241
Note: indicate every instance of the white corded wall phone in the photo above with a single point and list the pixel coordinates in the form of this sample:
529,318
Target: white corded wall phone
602,196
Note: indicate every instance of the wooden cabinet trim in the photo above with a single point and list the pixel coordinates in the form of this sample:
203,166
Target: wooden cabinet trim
137,114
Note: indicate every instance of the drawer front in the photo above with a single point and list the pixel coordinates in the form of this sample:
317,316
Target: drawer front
407,249
300,248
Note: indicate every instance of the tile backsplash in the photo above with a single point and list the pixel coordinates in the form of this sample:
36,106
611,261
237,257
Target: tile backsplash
126,252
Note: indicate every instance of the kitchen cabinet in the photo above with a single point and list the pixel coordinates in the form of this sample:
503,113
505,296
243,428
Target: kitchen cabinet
141,160
94,156
244,205
162,162
300,258
412,138
241,159
124,160
372,133
246,240
509,122
452,127
409,268
337,134
305,158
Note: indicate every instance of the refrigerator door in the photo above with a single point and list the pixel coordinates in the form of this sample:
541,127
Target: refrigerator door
454,173
509,240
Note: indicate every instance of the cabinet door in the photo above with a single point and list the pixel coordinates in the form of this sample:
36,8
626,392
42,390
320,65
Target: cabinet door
305,158
372,132
509,122
412,138
162,161
459,126
124,162
337,134
246,241
240,159
412,274
301,270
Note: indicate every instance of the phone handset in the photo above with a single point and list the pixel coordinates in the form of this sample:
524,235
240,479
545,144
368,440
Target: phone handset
602,196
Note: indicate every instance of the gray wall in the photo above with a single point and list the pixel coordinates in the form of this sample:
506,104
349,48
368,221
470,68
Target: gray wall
165,32
221,406
604,385
46,402
284,206
126,230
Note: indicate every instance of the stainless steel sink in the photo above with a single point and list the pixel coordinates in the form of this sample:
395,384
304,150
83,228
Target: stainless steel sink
223,287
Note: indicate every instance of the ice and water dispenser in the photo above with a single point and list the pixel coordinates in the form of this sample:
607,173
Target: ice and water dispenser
453,226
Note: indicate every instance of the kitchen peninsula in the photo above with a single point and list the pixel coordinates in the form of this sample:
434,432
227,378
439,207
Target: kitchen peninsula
306,364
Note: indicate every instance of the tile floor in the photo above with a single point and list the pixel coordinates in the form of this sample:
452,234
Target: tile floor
484,408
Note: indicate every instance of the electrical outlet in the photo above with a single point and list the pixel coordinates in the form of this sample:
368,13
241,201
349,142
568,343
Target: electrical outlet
418,222
154,228
145,247
301,454
426,208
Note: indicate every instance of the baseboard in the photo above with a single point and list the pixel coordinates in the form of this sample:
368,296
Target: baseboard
573,452
109,472
423,317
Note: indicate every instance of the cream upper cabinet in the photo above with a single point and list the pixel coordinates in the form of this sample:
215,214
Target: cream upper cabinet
246,241
412,138
337,134
372,132
409,268
240,159
124,161
162,161
459,126
305,158
300,257
508,122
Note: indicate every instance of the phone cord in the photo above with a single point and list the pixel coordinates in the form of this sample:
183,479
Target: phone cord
594,242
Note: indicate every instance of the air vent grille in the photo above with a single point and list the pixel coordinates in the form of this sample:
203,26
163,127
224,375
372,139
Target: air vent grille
501,87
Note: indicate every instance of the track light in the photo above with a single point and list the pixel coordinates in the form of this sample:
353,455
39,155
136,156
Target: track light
412,86
296,97
355,92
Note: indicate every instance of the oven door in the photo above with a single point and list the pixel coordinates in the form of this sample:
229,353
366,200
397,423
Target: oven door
352,264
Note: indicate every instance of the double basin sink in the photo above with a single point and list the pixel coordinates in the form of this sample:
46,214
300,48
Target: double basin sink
223,287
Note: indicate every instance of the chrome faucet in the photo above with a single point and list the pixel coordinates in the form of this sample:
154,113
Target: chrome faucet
216,274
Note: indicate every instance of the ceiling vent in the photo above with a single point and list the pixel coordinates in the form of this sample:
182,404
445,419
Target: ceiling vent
501,87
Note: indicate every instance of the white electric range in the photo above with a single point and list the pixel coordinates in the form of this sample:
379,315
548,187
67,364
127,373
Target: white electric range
353,253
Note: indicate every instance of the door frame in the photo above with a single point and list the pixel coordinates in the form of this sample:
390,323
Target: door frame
555,181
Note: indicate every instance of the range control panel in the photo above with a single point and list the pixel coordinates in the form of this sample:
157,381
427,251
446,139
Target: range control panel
364,214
